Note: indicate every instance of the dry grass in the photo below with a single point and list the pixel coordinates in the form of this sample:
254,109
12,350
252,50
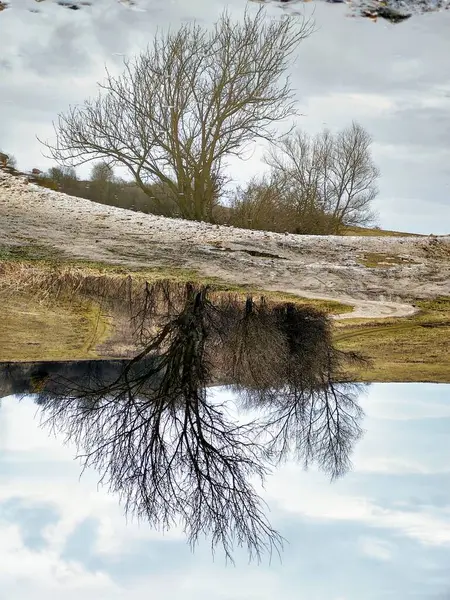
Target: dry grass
374,231
411,349
56,311
34,330
38,269
374,260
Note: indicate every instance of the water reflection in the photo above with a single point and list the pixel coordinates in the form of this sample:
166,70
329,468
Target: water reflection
384,527
171,452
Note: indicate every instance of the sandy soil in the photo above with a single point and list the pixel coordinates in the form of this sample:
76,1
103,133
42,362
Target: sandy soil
313,266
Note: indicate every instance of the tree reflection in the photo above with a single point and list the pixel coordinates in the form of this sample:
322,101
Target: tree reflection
310,412
177,456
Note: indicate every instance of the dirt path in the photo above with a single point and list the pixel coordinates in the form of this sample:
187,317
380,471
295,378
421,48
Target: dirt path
366,309
328,267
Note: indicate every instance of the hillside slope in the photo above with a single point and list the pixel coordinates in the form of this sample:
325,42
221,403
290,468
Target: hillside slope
380,276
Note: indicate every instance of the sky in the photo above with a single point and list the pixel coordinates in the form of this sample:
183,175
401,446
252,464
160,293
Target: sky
393,79
381,532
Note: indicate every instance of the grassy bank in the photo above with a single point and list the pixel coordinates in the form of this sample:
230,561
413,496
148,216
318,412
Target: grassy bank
34,330
44,321
375,231
415,348
45,258
56,308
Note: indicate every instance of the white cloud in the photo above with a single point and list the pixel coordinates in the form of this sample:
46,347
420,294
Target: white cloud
45,569
303,502
357,104
295,493
398,466
23,438
399,426
411,153
376,548
405,402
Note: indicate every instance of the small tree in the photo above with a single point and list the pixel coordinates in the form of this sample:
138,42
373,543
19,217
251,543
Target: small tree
102,171
186,104
63,179
62,174
7,160
257,206
102,180
335,173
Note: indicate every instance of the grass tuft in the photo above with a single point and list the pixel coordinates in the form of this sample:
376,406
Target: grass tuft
374,260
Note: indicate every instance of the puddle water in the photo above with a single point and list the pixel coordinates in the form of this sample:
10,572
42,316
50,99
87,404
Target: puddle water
383,527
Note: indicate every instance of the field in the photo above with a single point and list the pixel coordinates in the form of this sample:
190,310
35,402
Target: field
387,293
414,348
46,318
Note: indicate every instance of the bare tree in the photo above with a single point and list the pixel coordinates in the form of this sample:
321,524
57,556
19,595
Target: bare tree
255,350
61,174
7,160
257,206
102,171
269,202
64,179
309,411
186,104
334,173
312,425
102,186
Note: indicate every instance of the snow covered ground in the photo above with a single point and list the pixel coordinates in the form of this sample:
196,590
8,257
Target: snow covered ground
312,266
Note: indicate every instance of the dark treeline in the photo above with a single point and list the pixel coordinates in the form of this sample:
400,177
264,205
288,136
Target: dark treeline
24,378
104,187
